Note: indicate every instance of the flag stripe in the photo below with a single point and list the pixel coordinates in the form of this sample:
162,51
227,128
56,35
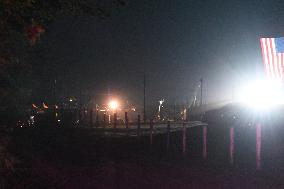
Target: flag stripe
264,56
270,60
273,57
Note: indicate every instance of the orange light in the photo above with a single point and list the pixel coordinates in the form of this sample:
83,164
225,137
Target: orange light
44,105
113,105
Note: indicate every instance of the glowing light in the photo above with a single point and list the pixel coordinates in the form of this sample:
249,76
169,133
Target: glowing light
262,94
34,106
113,104
70,100
44,105
160,104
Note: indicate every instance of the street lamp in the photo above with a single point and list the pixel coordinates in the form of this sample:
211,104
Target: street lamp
113,105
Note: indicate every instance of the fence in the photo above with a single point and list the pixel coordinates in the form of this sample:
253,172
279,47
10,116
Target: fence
217,141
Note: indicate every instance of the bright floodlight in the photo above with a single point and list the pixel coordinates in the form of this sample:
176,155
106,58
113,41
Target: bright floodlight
113,105
262,94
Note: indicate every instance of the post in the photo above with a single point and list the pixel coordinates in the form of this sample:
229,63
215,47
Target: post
232,145
114,121
258,146
168,134
91,117
97,118
204,151
183,138
138,125
144,99
151,131
126,122
104,121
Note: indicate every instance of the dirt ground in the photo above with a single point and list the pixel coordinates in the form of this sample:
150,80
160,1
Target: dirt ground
81,159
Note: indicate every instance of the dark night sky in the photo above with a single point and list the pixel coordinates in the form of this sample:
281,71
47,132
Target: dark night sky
177,42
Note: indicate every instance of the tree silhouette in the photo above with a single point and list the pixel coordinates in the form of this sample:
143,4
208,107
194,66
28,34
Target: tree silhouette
22,23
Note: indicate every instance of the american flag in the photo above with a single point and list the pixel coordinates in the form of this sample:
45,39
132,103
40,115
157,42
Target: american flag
273,57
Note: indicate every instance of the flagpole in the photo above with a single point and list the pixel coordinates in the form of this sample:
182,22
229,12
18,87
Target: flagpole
201,91
144,98
54,101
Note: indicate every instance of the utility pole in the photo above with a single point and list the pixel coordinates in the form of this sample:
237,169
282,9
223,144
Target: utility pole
201,91
233,93
80,105
174,111
144,95
54,101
